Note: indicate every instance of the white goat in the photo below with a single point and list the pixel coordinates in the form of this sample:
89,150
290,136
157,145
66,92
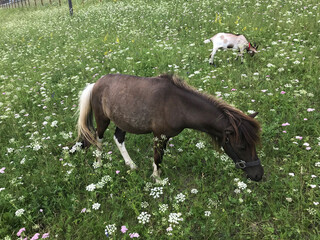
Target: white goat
229,40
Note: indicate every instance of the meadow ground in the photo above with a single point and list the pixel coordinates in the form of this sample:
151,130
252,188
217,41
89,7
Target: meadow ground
47,58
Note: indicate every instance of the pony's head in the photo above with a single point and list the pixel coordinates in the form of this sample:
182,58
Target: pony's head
239,143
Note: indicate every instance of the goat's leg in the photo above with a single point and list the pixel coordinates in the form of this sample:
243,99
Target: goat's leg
214,50
241,51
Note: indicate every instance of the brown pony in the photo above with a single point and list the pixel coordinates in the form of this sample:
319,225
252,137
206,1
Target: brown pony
164,106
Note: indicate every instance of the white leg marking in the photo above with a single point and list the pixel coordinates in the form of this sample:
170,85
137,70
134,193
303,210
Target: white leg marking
99,145
156,173
125,154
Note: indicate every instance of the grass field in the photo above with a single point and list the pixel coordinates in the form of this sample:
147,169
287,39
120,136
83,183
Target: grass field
47,58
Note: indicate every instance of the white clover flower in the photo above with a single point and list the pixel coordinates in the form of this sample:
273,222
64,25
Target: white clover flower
97,164
97,153
175,218
317,164
64,135
163,207
237,191
91,187
312,211
10,150
291,174
36,146
144,217
106,179
156,192
144,204
180,197
207,213
110,229
148,186
289,199
54,123
100,185
200,145
242,185
96,206
19,212
164,182
194,191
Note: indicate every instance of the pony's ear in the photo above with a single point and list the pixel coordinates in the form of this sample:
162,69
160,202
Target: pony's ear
253,115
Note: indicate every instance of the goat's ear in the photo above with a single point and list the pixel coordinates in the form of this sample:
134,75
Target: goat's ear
253,115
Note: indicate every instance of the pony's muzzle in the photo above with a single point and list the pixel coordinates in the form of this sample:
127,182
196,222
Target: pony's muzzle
255,173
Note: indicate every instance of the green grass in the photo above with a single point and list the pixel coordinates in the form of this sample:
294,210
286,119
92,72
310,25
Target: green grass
46,59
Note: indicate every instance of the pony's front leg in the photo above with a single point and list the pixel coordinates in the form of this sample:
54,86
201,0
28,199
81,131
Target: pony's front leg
158,148
119,137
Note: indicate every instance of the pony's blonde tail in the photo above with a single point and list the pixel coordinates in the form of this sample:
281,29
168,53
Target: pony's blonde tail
86,131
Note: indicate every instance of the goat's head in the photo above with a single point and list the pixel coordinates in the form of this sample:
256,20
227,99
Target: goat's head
252,49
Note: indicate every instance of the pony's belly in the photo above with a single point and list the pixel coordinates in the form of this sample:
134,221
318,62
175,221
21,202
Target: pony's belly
132,125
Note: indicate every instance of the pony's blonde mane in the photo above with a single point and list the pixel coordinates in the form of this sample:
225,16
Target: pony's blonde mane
245,127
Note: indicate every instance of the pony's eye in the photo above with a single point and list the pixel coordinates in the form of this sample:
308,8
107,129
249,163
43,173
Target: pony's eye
242,147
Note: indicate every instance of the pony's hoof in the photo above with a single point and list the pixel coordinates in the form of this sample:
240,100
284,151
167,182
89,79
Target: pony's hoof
133,166
156,179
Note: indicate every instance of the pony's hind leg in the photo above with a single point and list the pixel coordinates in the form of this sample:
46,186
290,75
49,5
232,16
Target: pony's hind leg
119,137
102,125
